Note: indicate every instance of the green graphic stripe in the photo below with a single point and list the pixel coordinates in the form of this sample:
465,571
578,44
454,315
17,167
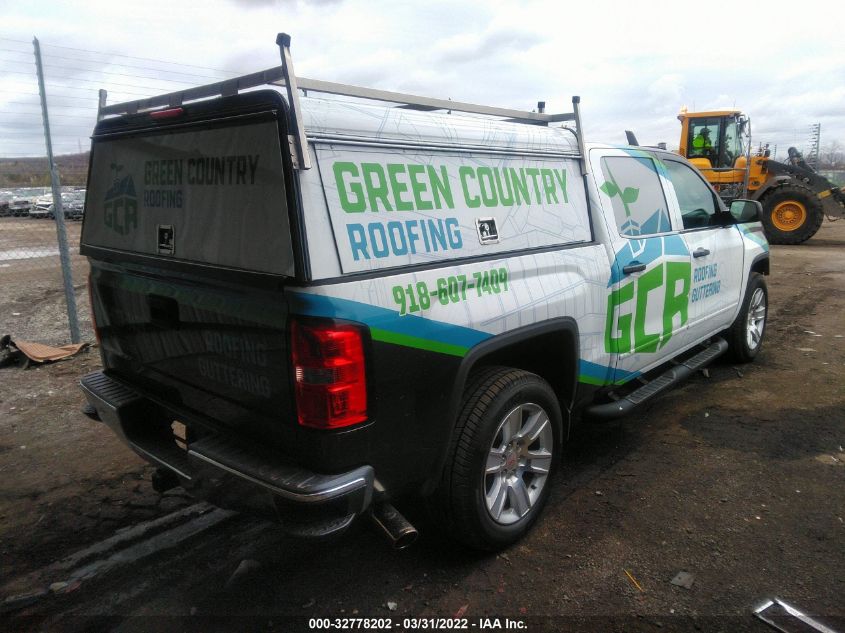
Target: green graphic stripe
407,340
591,380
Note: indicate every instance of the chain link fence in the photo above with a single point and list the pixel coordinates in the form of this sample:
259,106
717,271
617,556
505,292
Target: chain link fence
33,303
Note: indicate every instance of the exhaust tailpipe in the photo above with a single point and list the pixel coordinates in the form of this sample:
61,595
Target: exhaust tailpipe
393,525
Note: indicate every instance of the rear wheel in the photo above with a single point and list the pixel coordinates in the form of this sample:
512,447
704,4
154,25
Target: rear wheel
496,479
792,214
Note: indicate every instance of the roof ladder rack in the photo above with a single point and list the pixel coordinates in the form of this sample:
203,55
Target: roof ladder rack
298,142
285,76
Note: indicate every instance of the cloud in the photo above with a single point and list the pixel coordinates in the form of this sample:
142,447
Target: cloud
474,47
630,64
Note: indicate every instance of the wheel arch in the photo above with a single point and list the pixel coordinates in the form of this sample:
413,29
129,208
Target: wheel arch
549,349
760,264
770,184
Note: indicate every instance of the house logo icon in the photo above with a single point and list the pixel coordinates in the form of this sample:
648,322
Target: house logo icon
120,207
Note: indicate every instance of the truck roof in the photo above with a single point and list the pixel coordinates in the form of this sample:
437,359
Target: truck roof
343,120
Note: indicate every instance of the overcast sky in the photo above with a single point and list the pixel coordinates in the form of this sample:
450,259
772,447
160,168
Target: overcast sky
634,64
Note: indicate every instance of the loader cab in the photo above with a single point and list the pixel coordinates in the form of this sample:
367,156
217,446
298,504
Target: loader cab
715,137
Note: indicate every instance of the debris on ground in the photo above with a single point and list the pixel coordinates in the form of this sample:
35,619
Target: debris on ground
11,350
776,613
633,580
683,579
40,353
392,606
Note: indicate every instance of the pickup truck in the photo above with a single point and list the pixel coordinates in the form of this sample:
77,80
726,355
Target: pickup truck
312,308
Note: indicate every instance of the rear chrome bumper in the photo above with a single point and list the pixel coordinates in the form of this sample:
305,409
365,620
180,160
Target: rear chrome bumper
230,474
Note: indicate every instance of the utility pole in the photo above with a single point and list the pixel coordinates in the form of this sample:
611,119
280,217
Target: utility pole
58,211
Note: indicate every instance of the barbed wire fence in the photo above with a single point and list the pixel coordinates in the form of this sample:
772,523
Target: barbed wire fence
33,301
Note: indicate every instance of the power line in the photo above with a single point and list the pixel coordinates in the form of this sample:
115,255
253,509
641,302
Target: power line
146,59
221,74
106,72
124,92
100,82
49,98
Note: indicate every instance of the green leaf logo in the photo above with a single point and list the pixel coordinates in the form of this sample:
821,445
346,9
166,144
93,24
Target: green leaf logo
630,195
610,188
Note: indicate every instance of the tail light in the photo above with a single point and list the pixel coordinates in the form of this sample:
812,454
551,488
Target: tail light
330,374
170,113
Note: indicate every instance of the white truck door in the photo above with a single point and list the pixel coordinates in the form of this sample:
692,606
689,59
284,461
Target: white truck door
647,309
716,252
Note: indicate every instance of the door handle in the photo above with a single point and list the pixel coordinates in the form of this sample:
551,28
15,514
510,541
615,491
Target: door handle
633,267
700,252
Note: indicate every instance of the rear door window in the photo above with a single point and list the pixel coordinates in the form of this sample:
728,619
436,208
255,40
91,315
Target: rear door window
210,195
636,194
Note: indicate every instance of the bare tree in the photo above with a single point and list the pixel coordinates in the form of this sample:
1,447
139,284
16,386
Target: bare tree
832,156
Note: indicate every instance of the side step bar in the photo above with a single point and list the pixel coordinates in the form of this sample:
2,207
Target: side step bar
618,408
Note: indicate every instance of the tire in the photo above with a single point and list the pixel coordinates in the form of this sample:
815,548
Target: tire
745,336
501,459
792,213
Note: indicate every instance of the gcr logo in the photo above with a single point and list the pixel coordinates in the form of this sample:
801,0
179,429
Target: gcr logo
668,284
120,207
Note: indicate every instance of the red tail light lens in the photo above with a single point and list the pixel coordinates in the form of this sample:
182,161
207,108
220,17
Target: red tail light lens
170,113
329,373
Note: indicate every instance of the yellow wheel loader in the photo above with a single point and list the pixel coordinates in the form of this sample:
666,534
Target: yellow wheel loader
795,198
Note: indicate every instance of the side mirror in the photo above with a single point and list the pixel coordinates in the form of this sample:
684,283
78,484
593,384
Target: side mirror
746,211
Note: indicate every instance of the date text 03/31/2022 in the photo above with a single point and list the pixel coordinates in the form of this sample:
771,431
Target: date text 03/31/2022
453,289
417,624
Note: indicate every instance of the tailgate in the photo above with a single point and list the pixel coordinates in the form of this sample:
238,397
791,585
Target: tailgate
216,353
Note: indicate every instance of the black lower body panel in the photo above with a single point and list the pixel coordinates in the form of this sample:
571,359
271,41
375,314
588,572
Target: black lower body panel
232,474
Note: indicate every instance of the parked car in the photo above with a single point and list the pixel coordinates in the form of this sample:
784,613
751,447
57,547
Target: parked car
73,205
5,198
20,206
43,207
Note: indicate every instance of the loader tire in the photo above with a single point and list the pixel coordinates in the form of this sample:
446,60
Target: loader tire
792,213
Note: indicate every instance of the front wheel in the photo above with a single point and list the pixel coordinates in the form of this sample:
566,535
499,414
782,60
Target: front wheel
745,336
503,454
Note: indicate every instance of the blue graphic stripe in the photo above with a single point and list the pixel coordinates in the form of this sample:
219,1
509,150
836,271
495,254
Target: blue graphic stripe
384,319
653,249
754,232
421,328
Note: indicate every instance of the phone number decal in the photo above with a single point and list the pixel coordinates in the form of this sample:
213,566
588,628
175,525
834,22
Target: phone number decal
453,289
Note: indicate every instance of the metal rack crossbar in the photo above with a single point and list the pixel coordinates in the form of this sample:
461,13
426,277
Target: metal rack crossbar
284,76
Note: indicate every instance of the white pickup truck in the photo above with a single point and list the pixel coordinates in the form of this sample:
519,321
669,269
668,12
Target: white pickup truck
311,308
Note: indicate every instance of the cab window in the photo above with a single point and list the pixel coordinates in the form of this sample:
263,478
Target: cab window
732,147
704,139
699,207
633,186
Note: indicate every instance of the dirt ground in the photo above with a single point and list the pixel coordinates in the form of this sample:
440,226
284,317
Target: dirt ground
737,478
32,300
